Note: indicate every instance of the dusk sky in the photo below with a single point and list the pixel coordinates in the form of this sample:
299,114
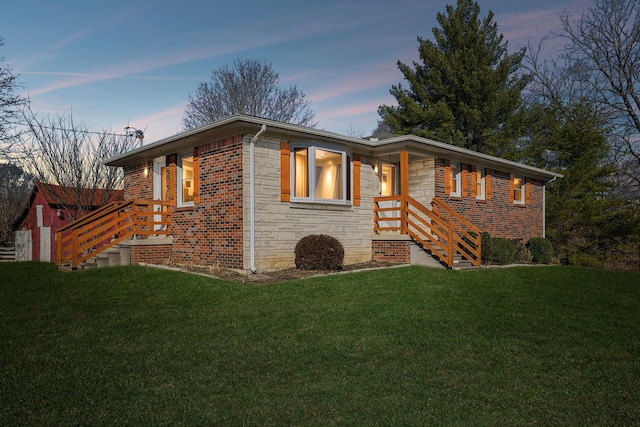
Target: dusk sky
133,63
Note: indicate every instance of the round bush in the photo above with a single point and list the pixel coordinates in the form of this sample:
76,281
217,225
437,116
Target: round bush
541,250
319,252
503,251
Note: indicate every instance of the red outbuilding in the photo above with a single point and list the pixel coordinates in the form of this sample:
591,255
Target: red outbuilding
50,208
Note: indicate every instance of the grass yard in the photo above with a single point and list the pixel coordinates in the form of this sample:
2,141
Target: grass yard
405,346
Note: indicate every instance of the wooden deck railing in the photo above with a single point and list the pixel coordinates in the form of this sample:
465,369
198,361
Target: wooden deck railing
88,236
443,235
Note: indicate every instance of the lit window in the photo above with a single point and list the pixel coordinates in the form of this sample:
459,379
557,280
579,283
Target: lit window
518,189
388,180
479,182
456,180
320,175
187,182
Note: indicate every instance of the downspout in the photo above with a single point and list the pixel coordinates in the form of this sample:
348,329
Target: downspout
252,196
544,206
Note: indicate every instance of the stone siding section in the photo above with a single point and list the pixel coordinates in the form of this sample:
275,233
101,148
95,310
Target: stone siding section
280,225
422,180
498,215
392,251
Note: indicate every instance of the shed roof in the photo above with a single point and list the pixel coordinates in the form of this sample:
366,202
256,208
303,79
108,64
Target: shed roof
58,196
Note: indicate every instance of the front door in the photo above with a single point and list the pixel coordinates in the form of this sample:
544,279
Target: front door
159,186
388,187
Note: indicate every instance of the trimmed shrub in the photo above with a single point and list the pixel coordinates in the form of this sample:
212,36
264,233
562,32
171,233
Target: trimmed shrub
541,250
503,251
523,254
319,252
486,250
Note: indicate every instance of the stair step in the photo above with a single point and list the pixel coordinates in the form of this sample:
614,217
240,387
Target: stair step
113,256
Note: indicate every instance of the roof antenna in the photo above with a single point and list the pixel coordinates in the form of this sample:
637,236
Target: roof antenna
131,131
550,156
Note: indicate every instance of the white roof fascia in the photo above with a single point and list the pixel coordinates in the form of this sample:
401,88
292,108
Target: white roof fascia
371,146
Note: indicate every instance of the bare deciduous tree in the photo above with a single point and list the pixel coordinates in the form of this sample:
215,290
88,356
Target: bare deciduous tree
604,45
56,150
251,88
9,103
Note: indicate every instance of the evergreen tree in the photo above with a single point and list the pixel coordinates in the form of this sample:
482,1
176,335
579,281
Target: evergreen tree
579,207
467,90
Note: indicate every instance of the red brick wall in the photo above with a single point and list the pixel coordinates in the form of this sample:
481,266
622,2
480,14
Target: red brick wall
211,232
155,254
393,251
497,215
136,184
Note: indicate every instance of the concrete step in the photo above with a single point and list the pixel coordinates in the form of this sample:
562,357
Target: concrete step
111,257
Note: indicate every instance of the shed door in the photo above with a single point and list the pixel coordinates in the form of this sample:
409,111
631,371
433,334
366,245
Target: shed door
45,244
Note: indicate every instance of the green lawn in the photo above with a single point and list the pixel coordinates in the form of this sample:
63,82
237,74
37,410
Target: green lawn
405,346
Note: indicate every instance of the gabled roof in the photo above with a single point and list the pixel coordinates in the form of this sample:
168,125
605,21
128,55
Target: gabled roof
388,146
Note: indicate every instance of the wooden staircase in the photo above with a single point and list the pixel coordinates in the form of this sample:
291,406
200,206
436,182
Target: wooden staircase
440,231
94,240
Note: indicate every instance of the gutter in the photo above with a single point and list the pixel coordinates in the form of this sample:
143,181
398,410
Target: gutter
252,195
544,206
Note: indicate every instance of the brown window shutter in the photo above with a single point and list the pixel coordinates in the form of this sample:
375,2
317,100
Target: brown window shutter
487,184
463,177
285,172
196,175
356,180
172,183
474,182
447,177
511,187
527,190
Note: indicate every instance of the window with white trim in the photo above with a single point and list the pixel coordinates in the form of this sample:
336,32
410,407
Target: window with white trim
479,180
186,181
518,185
455,178
320,175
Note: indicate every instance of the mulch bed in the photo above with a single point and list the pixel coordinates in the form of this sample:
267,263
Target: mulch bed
275,276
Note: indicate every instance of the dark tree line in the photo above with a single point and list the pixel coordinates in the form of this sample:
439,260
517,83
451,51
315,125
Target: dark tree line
467,90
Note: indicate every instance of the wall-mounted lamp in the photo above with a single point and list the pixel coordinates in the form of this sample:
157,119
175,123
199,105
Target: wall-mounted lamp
146,171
